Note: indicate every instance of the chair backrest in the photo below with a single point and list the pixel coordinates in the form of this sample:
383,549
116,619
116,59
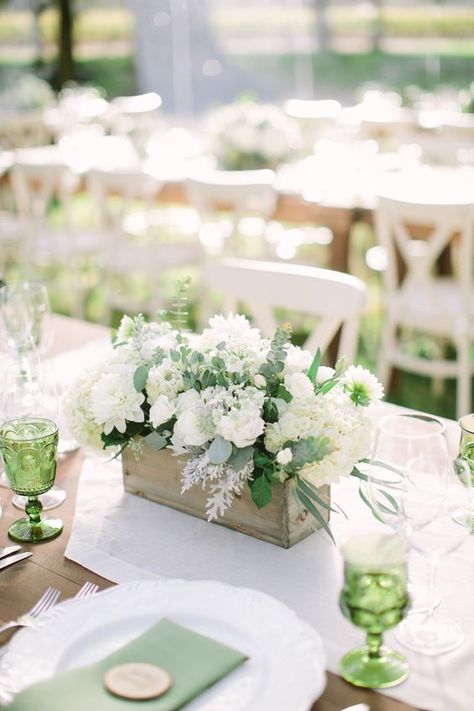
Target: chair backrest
35,184
337,299
127,188
415,235
240,191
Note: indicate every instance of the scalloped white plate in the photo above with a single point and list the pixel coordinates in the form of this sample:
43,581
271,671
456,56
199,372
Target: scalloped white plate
286,662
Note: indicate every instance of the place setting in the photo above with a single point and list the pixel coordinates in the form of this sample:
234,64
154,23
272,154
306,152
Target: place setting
236,412
260,629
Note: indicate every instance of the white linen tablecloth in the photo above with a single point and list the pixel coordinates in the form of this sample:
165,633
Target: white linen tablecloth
124,537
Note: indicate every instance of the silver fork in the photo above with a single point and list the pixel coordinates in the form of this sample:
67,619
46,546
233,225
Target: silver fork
47,600
87,589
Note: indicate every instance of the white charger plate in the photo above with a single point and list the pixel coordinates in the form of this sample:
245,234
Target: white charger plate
285,669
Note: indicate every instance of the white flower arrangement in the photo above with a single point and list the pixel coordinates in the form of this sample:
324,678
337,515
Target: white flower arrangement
248,411
246,135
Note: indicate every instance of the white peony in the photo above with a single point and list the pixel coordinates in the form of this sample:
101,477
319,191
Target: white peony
114,400
299,386
161,411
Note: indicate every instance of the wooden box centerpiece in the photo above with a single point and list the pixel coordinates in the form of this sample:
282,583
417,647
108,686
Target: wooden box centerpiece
283,521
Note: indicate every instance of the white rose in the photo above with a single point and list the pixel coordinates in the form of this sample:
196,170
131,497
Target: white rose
324,373
299,386
284,456
187,401
297,360
189,431
259,381
162,411
242,427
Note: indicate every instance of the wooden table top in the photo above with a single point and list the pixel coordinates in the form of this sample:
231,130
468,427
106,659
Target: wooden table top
23,583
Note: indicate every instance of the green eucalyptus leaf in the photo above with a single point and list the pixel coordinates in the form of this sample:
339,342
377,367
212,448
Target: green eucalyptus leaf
140,377
240,457
219,451
156,440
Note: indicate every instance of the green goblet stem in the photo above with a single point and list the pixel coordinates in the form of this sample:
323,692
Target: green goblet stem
374,642
34,509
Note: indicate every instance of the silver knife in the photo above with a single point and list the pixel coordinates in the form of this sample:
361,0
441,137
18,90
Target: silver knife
13,559
9,550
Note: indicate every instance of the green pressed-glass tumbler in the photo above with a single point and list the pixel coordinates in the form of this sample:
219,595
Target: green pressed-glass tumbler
374,598
466,451
29,446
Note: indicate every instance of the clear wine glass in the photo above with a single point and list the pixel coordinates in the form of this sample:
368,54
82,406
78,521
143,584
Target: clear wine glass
26,318
400,438
436,501
29,390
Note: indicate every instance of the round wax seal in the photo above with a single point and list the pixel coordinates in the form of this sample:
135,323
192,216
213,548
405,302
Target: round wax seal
137,681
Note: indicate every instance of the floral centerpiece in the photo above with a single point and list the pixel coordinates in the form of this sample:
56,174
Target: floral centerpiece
248,411
246,136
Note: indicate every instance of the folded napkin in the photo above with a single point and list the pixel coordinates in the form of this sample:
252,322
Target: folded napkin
195,662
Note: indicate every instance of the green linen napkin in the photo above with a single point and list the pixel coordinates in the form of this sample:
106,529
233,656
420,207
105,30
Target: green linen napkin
195,662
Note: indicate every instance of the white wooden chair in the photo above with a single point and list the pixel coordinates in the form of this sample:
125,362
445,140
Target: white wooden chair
60,244
337,299
122,197
240,192
417,298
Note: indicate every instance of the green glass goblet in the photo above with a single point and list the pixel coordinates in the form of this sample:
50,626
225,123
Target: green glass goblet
374,598
29,446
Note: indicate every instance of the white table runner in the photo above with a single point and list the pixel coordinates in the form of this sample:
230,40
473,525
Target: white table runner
124,537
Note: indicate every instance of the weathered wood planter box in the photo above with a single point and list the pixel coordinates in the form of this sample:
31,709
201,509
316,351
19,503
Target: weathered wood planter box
157,476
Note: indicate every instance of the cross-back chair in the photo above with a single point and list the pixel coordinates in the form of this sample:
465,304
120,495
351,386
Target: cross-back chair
417,297
337,299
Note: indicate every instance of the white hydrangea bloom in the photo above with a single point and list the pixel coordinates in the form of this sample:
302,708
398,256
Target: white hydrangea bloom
164,379
77,409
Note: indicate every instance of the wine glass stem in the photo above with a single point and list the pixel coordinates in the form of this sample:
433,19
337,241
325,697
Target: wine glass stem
374,642
34,509
432,574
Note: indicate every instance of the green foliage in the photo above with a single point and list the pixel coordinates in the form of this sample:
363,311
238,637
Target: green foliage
275,361
156,440
261,490
140,377
306,451
314,367
240,457
219,451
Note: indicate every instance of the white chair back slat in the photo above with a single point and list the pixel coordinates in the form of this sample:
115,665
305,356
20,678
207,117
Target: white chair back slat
417,297
336,299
